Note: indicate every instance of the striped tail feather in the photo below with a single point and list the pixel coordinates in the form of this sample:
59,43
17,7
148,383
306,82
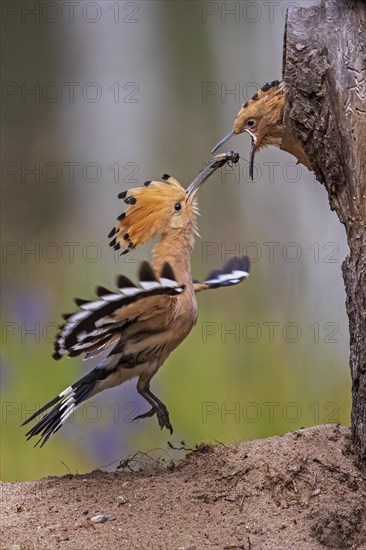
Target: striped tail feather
63,406
232,273
98,324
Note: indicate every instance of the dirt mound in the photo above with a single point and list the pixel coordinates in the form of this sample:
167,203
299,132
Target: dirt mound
300,491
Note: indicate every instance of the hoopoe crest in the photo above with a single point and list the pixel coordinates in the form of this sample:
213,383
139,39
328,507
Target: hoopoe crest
162,208
155,209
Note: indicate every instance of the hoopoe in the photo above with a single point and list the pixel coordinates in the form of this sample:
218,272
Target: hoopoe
262,118
143,323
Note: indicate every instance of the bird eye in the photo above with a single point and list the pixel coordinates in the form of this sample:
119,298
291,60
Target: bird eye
251,122
177,206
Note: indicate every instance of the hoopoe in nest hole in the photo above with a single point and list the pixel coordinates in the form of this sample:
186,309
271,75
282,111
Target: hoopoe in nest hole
143,323
262,118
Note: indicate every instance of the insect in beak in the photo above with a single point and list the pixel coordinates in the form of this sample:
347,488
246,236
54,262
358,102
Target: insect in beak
224,140
252,149
217,162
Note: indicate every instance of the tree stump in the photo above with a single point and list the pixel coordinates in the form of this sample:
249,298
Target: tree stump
324,71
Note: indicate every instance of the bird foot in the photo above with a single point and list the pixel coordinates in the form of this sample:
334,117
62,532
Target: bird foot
151,412
162,415
163,419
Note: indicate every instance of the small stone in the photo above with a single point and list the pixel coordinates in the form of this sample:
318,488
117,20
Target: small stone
121,500
315,493
86,512
102,518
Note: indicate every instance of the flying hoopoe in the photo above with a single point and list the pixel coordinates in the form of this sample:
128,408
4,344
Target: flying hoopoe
262,118
143,323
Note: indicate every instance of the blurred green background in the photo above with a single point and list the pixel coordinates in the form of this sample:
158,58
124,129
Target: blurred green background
103,96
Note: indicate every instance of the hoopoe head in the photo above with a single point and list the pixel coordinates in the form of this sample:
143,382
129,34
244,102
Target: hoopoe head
261,117
161,207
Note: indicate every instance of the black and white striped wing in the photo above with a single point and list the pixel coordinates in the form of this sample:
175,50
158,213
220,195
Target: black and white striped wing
232,273
98,323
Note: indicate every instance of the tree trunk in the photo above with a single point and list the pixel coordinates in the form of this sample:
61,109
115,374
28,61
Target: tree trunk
324,71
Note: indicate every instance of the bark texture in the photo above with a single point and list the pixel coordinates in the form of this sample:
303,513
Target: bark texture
325,76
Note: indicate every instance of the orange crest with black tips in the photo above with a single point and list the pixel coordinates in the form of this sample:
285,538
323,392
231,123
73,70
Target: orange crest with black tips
154,209
163,207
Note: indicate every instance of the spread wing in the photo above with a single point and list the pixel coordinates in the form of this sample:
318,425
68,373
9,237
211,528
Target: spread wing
99,323
232,273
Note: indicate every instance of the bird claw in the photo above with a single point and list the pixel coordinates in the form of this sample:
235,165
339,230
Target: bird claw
151,412
163,417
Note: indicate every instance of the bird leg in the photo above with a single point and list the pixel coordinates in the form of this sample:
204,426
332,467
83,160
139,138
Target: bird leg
157,407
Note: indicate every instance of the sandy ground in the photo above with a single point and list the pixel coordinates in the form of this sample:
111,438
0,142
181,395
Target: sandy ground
300,491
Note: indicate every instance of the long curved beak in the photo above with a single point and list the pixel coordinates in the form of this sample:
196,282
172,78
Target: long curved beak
251,158
224,140
217,162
